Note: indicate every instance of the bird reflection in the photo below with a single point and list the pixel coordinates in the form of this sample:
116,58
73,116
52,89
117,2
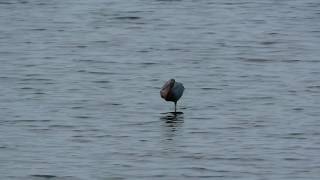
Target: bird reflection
171,130
172,119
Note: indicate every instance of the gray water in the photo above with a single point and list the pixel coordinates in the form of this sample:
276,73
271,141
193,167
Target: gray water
80,81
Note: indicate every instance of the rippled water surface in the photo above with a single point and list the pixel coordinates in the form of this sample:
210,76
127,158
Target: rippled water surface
79,89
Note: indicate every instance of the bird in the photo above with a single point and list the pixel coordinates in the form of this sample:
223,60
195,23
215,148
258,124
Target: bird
172,91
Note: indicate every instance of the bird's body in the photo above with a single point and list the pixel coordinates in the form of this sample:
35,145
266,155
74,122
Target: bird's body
172,91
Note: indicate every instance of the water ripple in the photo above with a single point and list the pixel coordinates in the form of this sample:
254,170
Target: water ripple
80,81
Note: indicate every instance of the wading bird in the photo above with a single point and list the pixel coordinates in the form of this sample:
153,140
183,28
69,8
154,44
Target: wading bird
172,91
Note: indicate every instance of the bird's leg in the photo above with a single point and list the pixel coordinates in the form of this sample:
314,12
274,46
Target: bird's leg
175,106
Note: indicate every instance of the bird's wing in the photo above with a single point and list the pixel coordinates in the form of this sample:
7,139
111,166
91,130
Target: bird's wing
166,85
165,90
177,90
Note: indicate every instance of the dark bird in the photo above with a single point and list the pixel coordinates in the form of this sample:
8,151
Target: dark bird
172,91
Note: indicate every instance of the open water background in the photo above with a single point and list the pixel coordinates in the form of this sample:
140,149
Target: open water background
80,81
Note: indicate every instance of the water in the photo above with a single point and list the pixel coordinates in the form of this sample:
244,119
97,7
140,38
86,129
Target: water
80,81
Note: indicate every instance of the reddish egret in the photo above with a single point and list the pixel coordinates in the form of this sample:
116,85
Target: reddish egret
172,91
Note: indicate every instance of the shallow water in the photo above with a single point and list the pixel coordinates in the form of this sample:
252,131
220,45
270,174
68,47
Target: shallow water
79,89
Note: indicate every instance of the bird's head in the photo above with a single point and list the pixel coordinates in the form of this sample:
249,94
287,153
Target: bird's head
172,81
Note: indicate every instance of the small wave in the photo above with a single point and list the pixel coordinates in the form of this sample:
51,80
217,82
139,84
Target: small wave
210,88
101,41
39,29
199,132
33,120
96,72
314,87
81,140
39,93
148,63
82,117
81,46
77,107
62,126
203,176
45,176
6,3
127,17
49,176
36,79
298,109
268,42
101,81
26,88
293,159
256,60
291,60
